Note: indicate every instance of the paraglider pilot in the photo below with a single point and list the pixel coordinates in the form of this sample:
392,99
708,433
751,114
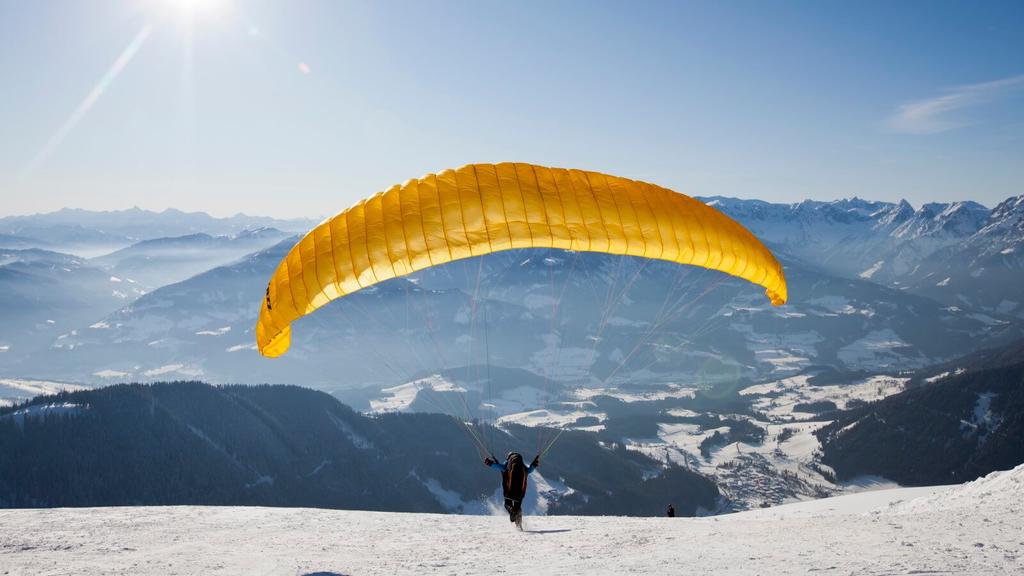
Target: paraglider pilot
513,483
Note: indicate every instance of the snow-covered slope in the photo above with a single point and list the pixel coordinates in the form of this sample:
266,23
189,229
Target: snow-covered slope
46,296
971,529
14,390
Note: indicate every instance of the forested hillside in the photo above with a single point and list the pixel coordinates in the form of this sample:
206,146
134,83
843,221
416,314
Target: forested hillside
191,443
959,425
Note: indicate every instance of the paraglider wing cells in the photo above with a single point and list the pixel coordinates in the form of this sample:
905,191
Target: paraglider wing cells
483,208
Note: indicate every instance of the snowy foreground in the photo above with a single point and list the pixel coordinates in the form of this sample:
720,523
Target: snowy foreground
975,528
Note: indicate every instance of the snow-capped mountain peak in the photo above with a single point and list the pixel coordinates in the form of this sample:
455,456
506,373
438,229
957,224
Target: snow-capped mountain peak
890,216
1006,222
956,219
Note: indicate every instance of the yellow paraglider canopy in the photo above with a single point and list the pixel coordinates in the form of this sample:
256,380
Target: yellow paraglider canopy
483,208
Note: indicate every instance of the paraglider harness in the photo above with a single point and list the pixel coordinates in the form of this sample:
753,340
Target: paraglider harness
514,478
513,483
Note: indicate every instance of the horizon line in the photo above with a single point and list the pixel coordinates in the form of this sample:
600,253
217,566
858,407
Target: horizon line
318,218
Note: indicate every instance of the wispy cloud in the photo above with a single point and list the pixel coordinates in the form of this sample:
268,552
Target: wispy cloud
941,113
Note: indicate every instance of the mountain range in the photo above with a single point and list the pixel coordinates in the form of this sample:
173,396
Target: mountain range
681,364
708,327
89,233
960,253
184,306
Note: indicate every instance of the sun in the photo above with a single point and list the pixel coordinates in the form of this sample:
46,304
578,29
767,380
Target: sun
196,7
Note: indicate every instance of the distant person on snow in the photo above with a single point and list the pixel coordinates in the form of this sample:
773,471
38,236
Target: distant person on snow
513,483
671,511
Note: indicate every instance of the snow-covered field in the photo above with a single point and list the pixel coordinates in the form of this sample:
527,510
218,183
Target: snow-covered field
779,398
400,398
14,390
977,528
784,467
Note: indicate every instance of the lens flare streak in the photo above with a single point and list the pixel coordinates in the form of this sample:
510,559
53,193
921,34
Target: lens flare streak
89,101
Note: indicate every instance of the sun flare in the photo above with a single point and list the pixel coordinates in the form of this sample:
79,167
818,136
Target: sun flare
196,7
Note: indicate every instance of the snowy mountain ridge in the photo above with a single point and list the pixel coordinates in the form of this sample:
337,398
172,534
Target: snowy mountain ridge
812,226
1006,224
143,224
957,219
88,233
940,250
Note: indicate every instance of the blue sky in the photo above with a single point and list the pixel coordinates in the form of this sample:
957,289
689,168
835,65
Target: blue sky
300,108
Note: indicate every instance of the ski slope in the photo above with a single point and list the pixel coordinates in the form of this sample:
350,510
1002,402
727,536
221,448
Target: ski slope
977,528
